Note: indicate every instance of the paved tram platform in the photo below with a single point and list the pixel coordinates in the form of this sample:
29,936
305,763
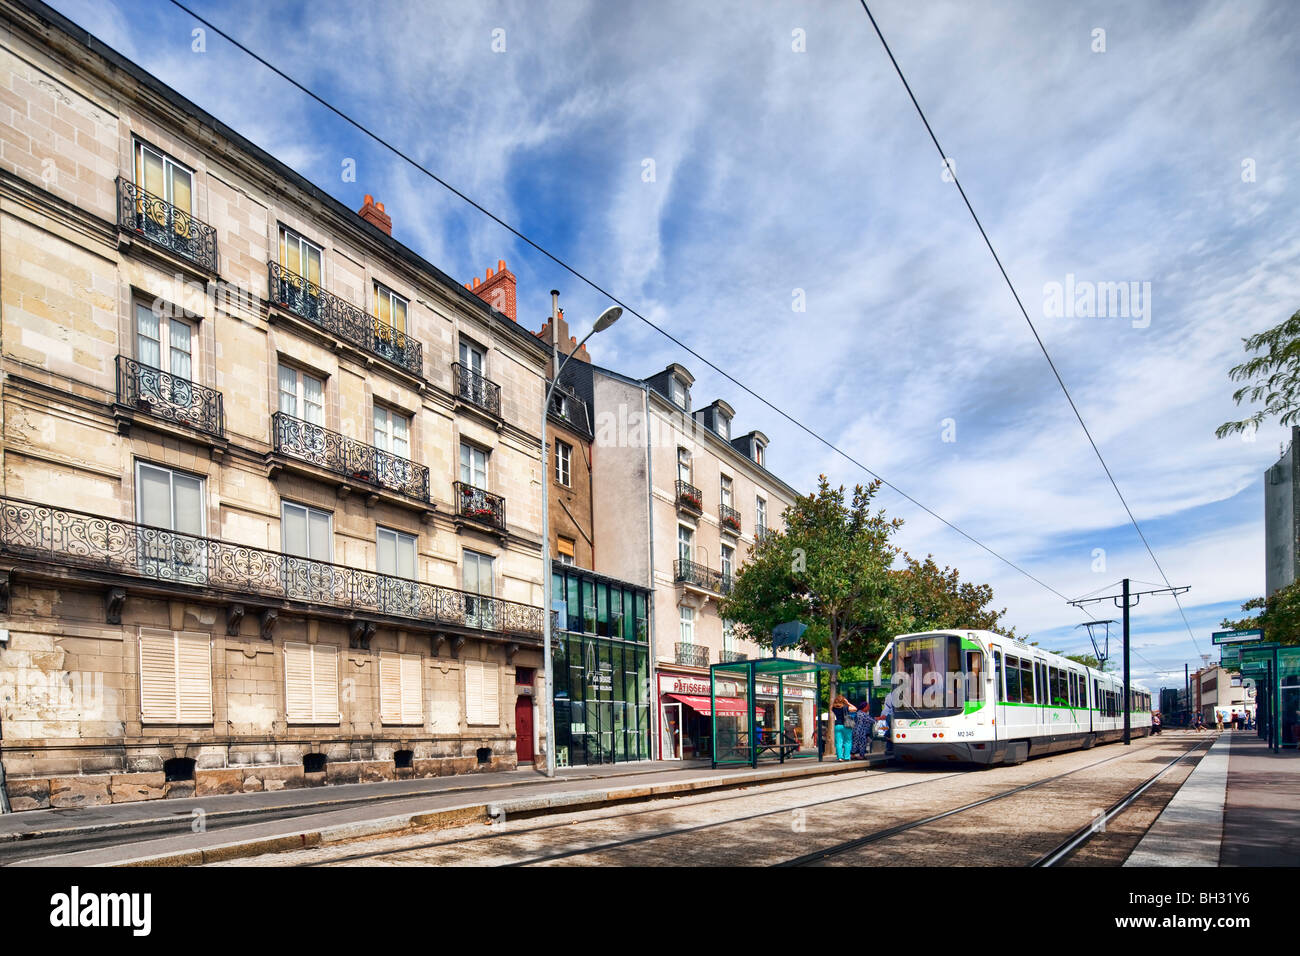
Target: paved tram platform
1239,807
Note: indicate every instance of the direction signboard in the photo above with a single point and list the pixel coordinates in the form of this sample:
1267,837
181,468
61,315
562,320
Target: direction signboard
788,634
1238,637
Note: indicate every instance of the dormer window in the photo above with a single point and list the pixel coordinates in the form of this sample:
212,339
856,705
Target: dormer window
759,454
724,425
560,404
678,391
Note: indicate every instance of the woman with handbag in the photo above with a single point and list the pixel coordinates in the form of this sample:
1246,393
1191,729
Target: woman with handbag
841,708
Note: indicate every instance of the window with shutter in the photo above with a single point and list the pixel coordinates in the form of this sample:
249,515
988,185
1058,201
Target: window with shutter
175,677
311,683
482,695
400,692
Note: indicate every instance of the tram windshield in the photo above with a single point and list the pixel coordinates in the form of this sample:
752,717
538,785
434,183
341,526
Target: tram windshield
930,680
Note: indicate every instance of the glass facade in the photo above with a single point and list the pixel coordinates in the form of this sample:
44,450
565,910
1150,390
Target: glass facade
601,668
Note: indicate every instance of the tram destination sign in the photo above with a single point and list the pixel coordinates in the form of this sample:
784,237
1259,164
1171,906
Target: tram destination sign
1238,637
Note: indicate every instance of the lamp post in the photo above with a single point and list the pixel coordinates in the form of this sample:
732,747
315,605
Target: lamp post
607,318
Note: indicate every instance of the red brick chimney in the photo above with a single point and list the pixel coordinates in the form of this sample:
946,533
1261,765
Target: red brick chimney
497,290
373,213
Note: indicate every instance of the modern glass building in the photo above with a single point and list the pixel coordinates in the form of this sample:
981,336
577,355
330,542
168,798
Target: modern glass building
601,653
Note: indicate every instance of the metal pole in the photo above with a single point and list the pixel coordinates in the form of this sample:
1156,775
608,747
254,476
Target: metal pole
1128,729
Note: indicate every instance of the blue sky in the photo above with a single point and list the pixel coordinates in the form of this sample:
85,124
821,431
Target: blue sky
778,170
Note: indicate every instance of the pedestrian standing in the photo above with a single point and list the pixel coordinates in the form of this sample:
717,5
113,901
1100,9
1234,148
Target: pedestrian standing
841,708
862,725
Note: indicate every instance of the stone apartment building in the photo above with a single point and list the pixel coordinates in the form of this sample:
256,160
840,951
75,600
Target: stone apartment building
270,513
679,501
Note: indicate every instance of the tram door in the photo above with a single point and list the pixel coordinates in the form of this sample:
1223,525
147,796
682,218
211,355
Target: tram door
999,696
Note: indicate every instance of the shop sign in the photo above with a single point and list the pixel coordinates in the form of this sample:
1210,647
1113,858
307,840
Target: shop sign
695,687
602,678
770,690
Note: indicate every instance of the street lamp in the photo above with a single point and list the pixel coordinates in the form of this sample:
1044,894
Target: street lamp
606,319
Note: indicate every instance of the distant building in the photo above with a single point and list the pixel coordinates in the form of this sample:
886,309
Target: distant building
1281,528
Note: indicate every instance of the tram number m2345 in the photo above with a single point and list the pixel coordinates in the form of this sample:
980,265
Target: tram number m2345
965,733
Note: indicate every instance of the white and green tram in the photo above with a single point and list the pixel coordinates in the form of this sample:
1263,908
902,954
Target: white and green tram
980,697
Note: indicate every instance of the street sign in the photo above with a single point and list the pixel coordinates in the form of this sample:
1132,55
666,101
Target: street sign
788,634
1238,637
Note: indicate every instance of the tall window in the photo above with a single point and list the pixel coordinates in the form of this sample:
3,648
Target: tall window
728,635
473,466
302,395
688,624
759,453
396,553
306,532
311,683
164,342
728,561
400,690
299,256
476,579
679,394
169,499
390,308
392,432
760,516
159,174
724,424
472,356
726,491
175,677
684,464
482,693
563,462
685,543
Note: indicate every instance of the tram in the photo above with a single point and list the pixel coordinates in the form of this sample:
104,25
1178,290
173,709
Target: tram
979,697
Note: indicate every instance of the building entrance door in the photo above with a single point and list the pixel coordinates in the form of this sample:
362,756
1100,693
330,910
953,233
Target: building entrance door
523,730
670,732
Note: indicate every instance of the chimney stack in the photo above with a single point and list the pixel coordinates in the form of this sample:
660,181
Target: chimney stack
373,213
497,290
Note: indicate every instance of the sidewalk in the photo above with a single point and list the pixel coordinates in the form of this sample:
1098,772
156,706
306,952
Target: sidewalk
160,832
1239,807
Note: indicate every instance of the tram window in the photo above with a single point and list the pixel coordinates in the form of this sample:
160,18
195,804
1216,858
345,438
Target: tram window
974,675
1026,682
997,675
1074,689
1013,679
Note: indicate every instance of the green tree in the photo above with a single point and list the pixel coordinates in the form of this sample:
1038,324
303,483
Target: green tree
1279,615
829,568
927,598
1272,376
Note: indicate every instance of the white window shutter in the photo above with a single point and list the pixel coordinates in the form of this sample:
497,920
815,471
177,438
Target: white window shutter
194,678
491,695
325,683
158,685
412,690
473,692
297,682
390,688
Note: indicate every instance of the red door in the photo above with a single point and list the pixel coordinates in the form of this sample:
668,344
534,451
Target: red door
524,730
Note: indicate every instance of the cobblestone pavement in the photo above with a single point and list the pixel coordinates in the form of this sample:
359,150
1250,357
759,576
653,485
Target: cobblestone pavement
777,823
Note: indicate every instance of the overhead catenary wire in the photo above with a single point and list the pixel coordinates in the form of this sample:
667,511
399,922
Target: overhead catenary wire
609,295
1023,311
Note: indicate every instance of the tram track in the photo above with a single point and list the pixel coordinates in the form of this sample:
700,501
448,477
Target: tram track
746,793
1061,851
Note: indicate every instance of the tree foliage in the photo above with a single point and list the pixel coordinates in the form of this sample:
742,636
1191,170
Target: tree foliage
928,599
1279,615
1272,376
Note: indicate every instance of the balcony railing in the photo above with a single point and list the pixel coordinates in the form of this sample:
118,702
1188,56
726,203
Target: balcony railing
165,225
568,408
476,389
701,576
479,505
729,518
65,538
728,657
310,302
316,445
689,497
170,397
694,655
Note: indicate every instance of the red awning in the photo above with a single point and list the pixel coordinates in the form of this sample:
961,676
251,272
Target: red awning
727,706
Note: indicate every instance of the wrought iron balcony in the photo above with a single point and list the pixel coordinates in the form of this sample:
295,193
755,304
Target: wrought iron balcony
689,497
66,538
729,518
694,655
170,397
165,225
316,445
728,657
311,303
479,505
475,389
701,576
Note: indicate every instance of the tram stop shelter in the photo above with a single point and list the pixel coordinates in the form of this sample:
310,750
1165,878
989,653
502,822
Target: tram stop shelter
1276,672
744,732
